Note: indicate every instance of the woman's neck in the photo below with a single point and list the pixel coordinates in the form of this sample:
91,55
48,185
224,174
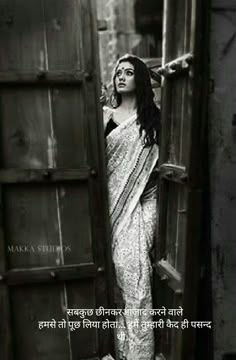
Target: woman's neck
128,103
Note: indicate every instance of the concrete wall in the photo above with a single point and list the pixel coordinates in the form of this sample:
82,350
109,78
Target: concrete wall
222,160
121,36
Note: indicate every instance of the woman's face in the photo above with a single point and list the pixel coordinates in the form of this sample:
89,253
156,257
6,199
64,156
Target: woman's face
124,78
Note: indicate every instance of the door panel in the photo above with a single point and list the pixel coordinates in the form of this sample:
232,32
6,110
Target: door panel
183,141
54,239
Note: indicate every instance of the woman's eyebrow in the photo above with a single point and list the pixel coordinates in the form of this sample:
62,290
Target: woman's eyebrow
125,69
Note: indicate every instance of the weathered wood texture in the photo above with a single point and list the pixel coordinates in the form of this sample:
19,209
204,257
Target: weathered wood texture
101,252
222,161
53,176
43,77
182,148
50,273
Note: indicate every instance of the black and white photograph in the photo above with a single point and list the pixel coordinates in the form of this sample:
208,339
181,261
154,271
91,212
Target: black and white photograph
117,180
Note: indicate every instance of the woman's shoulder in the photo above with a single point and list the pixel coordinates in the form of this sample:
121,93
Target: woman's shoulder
107,110
107,115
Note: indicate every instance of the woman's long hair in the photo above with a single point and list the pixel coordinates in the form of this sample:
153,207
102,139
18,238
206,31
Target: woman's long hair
148,115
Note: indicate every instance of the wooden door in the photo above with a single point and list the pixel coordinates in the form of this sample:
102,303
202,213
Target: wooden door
54,250
182,154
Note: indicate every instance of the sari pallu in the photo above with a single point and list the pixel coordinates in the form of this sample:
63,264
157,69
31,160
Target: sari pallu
133,214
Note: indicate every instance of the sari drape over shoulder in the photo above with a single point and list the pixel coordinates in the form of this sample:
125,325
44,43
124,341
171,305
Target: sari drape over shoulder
133,220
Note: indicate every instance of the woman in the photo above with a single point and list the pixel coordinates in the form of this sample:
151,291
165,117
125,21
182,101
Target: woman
132,131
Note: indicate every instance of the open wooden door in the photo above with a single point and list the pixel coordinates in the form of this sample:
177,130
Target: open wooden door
182,152
54,251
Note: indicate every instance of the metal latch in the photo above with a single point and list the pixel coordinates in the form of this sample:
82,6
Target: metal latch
174,172
177,66
168,273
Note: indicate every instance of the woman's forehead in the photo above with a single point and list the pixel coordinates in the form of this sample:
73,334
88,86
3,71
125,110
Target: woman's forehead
125,65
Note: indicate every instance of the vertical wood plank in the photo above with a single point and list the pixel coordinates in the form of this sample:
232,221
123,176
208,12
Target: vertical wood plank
21,37
69,126
31,225
76,223
169,30
26,139
63,34
97,186
6,344
186,124
171,229
182,214
31,304
84,341
175,128
166,101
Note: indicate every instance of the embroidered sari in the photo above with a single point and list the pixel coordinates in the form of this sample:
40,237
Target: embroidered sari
133,218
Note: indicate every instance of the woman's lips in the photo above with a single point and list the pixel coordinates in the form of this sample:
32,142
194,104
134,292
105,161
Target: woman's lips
121,85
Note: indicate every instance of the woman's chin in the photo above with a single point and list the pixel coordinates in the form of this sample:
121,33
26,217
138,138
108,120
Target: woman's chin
121,90
124,91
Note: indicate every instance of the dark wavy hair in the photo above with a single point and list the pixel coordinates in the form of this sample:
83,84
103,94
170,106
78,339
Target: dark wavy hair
148,115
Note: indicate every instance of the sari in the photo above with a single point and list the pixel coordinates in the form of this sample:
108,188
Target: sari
133,220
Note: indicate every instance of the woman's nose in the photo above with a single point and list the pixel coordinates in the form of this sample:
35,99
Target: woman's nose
121,76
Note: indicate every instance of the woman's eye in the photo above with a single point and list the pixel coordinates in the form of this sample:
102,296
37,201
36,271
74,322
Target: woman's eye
129,73
118,73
